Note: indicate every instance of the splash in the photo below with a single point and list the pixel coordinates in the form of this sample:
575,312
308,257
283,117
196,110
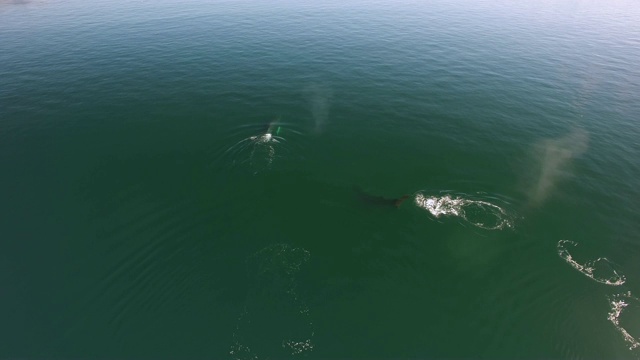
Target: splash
274,323
592,268
555,157
258,150
479,213
618,303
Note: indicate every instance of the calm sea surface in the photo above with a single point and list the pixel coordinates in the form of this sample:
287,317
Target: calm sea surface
284,179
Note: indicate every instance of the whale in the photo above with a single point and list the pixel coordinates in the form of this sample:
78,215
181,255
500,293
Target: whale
268,135
376,200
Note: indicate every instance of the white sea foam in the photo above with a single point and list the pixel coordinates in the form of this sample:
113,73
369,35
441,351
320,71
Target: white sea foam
264,138
618,303
593,267
298,347
479,213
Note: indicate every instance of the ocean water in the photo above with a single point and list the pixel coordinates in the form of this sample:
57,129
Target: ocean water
261,179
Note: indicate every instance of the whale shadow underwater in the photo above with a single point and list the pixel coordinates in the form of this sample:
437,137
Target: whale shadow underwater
375,200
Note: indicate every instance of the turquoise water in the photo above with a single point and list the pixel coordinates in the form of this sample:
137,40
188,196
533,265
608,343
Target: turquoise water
191,179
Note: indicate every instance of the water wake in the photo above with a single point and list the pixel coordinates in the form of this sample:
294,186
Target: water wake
479,213
258,151
618,303
592,269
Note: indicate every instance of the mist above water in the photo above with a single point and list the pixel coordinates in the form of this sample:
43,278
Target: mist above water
553,159
319,98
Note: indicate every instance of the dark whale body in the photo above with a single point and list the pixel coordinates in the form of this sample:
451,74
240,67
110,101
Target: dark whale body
379,200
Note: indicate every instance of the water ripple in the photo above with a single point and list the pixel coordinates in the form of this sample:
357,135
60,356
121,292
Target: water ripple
475,211
592,269
274,321
259,147
618,303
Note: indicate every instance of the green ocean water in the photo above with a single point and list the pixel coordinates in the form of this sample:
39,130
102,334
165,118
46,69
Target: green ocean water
222,179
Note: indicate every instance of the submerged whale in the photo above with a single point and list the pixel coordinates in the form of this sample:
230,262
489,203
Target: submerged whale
379,200
268,134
